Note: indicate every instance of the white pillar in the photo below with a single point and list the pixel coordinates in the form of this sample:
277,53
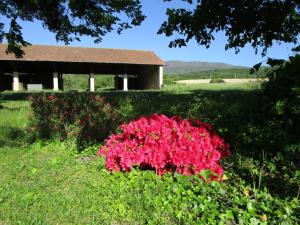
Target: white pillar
125,82
92,82
161,76
55,81
15,81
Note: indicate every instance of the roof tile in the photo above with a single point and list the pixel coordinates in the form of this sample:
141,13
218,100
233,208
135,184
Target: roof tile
79,54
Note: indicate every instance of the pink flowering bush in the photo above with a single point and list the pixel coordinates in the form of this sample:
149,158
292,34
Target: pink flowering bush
87,118
166,145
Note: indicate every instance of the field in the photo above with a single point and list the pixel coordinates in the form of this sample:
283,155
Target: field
106,82
81,82
218,73
50,182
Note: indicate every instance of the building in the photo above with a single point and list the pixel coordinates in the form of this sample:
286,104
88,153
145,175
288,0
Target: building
44,66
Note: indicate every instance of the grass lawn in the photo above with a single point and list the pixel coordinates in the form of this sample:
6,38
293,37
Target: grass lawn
51,183
13,121
213,87
45,184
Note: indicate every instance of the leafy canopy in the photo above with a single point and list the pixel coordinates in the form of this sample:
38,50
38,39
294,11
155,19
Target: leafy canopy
255,22
68,19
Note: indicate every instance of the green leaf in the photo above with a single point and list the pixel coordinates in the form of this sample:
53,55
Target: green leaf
254,221
296,49
206,174
275,62
255,68
34,171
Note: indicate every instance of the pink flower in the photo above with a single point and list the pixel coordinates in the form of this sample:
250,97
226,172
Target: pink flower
51,97
166,145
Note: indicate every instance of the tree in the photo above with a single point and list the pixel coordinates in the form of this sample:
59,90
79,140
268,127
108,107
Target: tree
255,22
68,19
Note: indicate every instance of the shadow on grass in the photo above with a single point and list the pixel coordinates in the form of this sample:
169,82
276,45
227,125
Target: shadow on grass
17,96
12,108
236,115
12,137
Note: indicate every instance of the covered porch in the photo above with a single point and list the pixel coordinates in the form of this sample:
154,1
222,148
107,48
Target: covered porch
24,75
44,66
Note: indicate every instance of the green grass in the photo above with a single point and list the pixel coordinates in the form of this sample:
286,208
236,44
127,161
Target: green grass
15,112
80,82
212,87
50,183
47,184
220,73
44,184
13,121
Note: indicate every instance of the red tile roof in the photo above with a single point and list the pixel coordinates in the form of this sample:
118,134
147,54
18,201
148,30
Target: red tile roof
78,54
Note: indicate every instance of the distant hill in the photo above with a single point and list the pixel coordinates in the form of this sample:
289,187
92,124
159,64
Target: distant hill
176,67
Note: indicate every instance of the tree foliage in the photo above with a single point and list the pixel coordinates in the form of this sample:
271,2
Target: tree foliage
68,19
282,91
255,22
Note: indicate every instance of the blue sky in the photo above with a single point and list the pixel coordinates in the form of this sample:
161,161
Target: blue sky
145,37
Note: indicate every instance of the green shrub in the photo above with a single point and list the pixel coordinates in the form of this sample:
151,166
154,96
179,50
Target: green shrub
85,117
188,200
216,81
282,92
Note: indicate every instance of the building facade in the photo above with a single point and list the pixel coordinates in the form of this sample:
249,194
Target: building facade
44,66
